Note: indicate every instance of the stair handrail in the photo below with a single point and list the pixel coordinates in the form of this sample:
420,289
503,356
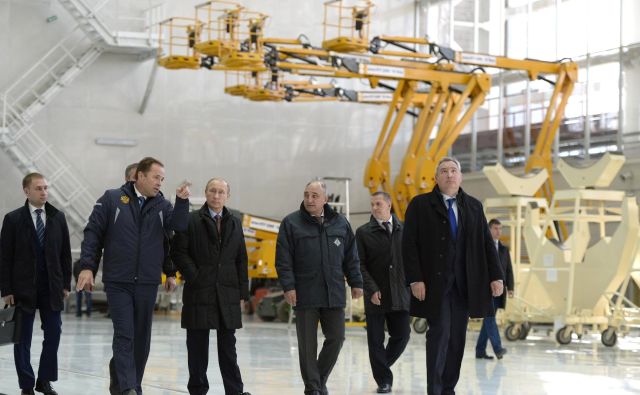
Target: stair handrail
43,59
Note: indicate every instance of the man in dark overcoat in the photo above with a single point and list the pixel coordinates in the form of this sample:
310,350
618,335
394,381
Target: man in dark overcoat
35,274
452,267
212,258
386,294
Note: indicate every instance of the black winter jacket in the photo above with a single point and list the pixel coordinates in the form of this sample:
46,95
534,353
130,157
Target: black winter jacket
314,258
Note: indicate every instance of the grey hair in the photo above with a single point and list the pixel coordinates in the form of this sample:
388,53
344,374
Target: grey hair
322,184
221,180
448,159
384,194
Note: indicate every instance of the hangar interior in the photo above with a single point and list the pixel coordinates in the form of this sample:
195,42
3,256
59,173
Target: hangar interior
85,92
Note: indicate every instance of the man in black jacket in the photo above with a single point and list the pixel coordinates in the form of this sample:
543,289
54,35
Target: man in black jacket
386,294
315,250
35,273
489,330
452,266
132,224
212,257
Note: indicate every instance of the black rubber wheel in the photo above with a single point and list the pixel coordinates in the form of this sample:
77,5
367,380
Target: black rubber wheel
512,332
563,335
609,337
420,325
524,332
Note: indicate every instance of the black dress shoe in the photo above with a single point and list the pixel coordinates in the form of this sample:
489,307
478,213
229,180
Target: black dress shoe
483,356
384,389
27,392
45,387
501,353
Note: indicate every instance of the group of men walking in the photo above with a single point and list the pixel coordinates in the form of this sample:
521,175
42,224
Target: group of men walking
442,264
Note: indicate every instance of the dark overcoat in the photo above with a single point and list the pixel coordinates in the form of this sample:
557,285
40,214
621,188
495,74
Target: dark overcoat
425,250
214,269
18,259
507,269
381,266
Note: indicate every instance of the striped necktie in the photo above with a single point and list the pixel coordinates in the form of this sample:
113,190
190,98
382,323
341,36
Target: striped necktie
39,226
387,226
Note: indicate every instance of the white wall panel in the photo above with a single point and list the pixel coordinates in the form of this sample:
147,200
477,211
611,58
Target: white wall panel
267,151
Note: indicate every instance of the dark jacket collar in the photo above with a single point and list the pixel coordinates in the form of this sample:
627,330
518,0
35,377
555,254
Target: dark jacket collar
49,209
129,190
204,211
329,213
436,197
373,223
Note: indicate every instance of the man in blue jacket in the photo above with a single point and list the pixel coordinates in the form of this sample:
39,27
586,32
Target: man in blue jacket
131,224
315,251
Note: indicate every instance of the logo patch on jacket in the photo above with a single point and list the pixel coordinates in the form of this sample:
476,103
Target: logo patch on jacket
124,199
337,242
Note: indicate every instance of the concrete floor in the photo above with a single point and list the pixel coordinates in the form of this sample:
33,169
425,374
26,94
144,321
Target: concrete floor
268,361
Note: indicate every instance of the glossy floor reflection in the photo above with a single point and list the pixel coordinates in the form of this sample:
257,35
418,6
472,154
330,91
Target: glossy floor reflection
268,361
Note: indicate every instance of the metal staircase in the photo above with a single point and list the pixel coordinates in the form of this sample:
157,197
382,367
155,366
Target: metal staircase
90,15
32,91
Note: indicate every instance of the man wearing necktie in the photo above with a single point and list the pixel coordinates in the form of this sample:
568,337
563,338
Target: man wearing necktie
452,267
489,330
212,258
35,274
386,294
132,224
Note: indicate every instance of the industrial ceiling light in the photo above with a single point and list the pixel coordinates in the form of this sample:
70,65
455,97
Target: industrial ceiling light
118,142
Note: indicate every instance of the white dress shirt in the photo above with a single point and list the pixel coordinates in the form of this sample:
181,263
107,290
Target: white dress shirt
43,215
390,221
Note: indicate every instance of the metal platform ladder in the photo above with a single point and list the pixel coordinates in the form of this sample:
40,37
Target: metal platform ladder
37,87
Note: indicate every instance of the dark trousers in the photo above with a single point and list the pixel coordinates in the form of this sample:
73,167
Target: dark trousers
131,307
315,369
198,351
52,328
445,344
489,332
381,357
87,297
